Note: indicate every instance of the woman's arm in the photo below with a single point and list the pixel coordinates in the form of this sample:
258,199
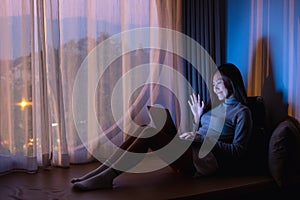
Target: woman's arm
237,148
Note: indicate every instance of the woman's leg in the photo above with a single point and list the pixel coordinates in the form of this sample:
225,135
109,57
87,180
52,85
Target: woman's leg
126,160
185,163
125,145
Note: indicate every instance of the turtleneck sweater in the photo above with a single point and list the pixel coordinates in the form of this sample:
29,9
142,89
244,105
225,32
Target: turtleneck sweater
232,122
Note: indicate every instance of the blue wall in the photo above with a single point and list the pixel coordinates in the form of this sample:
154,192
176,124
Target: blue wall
263,40
266,33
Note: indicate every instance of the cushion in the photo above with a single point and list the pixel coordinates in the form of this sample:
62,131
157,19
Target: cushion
284,153
256,161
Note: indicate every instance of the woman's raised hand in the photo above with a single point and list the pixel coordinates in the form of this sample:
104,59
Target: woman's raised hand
196,107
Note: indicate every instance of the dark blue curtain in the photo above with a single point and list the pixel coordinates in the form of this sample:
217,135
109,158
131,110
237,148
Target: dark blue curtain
205,22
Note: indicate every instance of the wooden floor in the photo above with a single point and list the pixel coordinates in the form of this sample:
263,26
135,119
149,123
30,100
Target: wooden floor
161,184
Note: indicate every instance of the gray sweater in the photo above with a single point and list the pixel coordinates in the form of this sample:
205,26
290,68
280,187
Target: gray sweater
236,125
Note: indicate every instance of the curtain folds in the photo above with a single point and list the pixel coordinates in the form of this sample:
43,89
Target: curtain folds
49,50
17,139
204,21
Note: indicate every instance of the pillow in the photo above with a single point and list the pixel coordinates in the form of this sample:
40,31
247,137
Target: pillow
284,153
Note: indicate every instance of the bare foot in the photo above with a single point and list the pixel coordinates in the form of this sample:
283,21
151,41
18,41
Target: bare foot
74,180
96,171
97,182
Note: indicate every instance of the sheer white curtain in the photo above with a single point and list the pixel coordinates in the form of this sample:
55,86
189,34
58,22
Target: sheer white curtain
17,146
43,46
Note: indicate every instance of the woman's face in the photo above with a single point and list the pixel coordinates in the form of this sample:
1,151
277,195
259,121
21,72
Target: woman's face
219,87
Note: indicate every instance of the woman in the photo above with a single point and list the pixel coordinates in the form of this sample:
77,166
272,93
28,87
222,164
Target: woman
229,150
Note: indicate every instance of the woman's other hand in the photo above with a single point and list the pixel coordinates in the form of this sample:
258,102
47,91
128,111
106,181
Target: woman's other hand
187,136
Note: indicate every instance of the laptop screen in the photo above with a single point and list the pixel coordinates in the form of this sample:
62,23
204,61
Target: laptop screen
162,119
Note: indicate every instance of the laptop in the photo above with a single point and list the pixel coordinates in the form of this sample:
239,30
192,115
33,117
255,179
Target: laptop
162,119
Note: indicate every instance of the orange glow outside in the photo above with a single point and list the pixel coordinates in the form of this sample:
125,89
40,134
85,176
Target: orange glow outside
30,142
23,104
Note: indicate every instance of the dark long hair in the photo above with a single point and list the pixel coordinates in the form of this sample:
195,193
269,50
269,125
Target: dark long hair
233,81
